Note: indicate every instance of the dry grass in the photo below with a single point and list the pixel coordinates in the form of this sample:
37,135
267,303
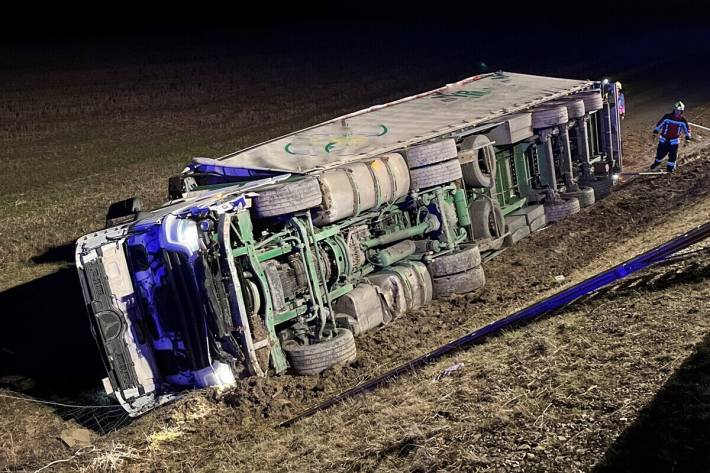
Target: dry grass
21,422
108,459
158,439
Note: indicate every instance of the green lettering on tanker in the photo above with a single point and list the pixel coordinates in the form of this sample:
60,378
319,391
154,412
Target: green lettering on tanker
461,94
329,142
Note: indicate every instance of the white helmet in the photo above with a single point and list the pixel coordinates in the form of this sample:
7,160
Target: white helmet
680,106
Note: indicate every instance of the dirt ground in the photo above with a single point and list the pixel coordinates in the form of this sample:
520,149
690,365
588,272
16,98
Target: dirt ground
614,383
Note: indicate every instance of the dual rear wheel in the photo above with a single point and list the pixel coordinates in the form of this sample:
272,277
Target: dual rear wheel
315,358
459,272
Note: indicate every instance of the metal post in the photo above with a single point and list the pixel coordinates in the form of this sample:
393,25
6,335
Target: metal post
566,159
522,173
547,163
584,155
607,135
616,132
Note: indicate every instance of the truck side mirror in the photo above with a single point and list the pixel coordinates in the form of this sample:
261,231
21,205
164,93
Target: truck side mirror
123,211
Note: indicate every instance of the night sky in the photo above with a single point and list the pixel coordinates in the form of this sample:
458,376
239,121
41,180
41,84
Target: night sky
493,24
583,40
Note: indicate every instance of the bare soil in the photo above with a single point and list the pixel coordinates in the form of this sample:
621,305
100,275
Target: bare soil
615,383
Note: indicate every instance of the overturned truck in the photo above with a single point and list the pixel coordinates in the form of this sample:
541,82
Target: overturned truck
273,258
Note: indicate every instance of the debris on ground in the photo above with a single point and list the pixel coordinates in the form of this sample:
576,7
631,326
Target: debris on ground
449,371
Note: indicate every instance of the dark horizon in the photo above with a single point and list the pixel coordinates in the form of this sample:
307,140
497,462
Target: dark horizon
519,47
59,22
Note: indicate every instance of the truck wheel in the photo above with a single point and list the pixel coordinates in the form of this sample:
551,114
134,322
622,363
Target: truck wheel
460,283
487,219
431,153
575,106
585,195
436,174
312,359
549,116
456,262
288,198
480,168
592,100
601,185
561,209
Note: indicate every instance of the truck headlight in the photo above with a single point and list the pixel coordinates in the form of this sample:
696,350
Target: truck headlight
179,234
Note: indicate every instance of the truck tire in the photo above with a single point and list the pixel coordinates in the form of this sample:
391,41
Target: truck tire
288,198
312,359
601,185
478,170
575,107
560,209
514,222
431,153
460,283
436,174
486,219
549,116
585,195
456,262
592,100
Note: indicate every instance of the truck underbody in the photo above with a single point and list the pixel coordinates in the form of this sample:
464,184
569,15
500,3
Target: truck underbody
274,258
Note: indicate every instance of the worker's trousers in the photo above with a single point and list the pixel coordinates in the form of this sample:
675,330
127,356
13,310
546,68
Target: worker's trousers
666,148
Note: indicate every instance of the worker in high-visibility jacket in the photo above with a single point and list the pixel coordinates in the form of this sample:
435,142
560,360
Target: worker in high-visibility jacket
670,128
